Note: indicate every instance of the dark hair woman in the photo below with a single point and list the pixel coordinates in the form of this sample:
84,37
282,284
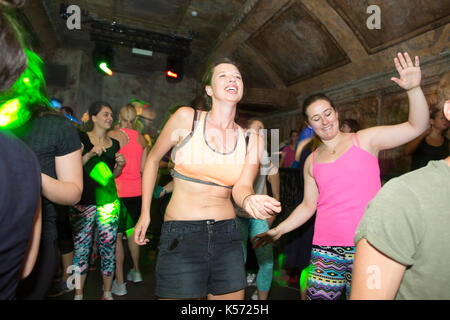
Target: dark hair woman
200,248
99,204
340,178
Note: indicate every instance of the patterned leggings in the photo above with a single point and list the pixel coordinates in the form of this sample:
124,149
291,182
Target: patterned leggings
331,272
264,255
84,219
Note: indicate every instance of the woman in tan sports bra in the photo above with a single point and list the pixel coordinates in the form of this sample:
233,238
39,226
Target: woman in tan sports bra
200,253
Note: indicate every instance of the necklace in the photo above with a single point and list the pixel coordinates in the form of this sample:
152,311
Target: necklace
98,141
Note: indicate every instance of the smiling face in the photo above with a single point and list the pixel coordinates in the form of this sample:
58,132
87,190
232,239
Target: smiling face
440,122
104,118
226,84
323,119
256,126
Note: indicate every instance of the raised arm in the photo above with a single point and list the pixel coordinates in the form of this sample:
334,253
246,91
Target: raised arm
176,128
387,137
412,146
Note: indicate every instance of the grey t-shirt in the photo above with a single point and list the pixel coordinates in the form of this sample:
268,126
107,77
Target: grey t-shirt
409,221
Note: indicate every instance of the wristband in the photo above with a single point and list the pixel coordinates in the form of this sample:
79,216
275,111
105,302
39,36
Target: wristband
251,194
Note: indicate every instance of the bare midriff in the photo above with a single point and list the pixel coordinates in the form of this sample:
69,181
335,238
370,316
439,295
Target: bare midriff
197,201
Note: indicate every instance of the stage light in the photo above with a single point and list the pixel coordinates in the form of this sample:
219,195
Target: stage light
103,58
171,74
104,67
174,68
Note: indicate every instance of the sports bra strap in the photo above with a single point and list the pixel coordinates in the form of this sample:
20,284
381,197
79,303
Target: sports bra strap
194,119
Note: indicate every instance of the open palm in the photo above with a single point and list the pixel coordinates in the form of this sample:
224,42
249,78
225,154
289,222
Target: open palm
410,74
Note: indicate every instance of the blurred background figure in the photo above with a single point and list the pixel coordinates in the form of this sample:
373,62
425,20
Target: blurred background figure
145,117
350,125
288,152
132,146
249,227
432,144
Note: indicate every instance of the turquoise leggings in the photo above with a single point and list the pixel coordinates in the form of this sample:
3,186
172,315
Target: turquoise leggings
264,255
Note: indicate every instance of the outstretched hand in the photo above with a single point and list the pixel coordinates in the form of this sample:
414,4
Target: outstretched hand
260,206
410,74
265,238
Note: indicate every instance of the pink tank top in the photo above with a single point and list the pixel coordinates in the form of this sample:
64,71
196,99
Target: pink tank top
129,182
345,186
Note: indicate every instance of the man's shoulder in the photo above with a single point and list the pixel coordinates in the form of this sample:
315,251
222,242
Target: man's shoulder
428,180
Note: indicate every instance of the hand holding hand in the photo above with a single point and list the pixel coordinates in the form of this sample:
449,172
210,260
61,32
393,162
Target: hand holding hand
261,206
410,75
265,238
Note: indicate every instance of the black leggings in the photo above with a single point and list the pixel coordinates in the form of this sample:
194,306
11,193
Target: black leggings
37,284
64,228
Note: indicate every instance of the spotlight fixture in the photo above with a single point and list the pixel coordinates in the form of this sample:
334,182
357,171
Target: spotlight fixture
103,58
174,68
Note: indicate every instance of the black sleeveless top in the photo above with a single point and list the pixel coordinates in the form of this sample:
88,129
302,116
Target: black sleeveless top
425,153
92,188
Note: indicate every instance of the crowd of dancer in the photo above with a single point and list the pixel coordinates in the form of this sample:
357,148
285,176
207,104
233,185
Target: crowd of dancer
95,184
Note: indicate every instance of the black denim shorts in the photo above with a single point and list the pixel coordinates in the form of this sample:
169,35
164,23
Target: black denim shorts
199,257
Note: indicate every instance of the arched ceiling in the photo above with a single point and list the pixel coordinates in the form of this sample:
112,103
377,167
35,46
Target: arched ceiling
287,48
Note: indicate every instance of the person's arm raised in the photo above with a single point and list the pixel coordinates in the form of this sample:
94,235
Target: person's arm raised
412,146
387,137
176,128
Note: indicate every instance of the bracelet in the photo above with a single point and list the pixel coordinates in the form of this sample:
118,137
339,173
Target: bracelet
251,194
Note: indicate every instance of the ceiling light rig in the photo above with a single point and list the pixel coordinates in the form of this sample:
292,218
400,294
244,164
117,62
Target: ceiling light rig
103,58
117,34
109,33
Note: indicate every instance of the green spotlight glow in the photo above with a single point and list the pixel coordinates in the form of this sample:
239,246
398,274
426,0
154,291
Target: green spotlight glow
29,90
304,277
104,67
129,232
101,173
108,212
9,112
281,260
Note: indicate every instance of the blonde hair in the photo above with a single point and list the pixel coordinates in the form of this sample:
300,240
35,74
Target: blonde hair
127,114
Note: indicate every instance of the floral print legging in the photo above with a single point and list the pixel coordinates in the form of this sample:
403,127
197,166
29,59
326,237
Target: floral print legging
84,220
